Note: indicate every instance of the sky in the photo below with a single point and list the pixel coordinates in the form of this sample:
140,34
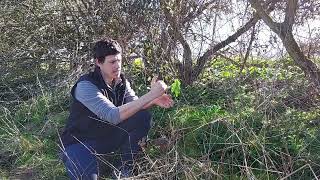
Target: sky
266,44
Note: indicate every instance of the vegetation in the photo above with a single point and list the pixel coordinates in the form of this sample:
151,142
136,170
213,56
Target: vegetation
253,126
243,109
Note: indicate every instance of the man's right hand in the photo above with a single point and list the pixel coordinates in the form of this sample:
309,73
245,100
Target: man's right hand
158,88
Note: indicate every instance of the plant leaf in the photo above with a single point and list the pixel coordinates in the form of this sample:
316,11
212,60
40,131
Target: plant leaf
175,87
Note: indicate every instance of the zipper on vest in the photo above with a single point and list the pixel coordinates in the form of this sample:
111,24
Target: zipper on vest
106,92
115,99
123,97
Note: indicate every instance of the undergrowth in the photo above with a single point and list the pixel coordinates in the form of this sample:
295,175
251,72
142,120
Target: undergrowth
262,123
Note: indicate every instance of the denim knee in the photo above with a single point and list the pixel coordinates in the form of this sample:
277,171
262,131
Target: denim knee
80,161
140,120
144,117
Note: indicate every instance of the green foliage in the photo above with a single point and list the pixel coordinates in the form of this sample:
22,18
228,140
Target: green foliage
231,124
138,63
29,138
51,40
175,87
253,125
238,124
193,116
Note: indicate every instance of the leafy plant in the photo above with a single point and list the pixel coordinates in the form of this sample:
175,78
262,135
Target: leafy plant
138,63
175,87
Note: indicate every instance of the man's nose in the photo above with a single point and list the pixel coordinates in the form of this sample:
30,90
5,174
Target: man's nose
117,65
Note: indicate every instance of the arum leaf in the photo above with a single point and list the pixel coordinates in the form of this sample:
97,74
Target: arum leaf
175,87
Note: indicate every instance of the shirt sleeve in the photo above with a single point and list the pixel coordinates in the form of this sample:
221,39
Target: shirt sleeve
91,97
130,95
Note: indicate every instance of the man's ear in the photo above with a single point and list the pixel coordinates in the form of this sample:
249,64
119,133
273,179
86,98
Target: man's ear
97,63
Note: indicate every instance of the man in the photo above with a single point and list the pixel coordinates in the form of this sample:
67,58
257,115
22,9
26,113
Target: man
106,115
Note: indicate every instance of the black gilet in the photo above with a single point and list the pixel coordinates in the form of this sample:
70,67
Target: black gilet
82,124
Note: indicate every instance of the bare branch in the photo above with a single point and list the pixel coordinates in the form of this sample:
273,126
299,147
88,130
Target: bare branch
290,13
198,12
284,31
248,50
210,52
264,15
179,36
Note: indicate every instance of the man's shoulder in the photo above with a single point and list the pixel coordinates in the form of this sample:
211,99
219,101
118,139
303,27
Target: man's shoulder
83,78
88,77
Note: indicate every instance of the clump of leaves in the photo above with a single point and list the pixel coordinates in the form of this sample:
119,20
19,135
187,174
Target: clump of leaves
138,63
175,88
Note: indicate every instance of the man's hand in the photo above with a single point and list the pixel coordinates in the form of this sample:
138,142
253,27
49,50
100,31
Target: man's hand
156,95
164,101
158,88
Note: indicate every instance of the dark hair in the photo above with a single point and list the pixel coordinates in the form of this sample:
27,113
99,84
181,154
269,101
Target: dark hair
105,47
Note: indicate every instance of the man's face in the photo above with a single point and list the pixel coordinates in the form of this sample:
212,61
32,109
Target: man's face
111,67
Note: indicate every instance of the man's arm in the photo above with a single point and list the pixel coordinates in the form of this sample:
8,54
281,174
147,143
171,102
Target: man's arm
90,96
130,96
157,89
164,101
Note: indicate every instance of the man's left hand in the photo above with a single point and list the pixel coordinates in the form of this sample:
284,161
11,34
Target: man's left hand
164,101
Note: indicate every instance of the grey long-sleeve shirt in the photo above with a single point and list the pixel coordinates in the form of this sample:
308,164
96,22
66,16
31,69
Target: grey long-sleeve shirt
91,97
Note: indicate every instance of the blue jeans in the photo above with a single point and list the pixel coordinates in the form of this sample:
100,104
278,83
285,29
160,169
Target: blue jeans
81,159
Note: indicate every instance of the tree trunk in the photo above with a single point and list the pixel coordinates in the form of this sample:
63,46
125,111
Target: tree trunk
308,67
284,31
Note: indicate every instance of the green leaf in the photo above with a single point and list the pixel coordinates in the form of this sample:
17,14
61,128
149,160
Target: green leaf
175,87
138,63
226,74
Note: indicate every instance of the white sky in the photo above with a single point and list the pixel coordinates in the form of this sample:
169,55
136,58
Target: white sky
270,45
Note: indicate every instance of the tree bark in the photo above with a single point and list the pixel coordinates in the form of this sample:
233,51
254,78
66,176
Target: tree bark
187,71
307,66
210,52
214,49
284,31
186,66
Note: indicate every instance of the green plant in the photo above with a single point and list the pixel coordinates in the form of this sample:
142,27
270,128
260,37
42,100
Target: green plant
175,87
